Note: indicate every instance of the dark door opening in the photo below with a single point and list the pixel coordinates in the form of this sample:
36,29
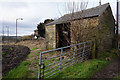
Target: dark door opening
63,35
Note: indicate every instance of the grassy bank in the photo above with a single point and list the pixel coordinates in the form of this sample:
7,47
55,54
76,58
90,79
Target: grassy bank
117,77
87,68
29,68
20,72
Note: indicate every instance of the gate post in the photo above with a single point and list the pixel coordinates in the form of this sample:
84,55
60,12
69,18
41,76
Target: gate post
61,59
74,53
93,52
83,51
90,49
39,73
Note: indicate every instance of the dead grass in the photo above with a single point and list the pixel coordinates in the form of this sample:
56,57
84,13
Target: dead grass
30,43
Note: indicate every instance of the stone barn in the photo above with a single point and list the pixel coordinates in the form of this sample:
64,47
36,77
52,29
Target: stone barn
97,24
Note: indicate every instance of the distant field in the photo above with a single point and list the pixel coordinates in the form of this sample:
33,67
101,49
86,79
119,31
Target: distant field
10,38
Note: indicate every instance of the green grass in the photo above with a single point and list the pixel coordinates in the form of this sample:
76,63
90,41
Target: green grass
78,70
34,48
86,69
82,70
19,72
117,77
4,53
11,48
23,71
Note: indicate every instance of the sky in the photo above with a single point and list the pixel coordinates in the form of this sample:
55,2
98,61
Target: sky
35,11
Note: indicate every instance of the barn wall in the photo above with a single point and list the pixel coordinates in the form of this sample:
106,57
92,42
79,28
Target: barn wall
100,29
50,36
106,39
83,30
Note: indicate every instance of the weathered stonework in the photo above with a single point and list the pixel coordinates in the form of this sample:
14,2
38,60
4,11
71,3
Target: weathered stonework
106,31
50,36
85,29
100,29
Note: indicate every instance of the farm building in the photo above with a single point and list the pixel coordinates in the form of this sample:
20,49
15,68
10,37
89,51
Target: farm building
95,23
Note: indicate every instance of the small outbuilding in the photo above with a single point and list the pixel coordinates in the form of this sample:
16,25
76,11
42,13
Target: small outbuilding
95,23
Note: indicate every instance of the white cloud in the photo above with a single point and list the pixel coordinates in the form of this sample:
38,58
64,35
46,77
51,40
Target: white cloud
35,11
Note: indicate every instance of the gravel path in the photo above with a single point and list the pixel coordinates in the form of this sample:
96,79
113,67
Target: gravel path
110,70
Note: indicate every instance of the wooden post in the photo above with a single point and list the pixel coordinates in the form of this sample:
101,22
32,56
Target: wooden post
93,52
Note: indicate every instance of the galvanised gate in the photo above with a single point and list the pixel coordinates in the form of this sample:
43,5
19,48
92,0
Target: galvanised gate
53,61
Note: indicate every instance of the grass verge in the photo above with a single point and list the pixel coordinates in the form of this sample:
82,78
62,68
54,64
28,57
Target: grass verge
117,77
19,72
78,70
88,68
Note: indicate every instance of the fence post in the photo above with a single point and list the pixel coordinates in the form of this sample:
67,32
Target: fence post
93,52
91,43
83,52
61,60
74,54
43,69
39,73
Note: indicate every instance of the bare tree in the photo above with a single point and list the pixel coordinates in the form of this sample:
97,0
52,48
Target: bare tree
74,27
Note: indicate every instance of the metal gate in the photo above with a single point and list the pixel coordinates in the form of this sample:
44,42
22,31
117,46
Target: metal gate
53,61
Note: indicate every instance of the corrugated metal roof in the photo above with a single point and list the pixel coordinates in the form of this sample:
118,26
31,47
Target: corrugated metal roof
92,12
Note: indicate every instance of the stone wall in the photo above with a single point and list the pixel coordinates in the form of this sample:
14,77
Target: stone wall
106,31
83,30
50,36
99,29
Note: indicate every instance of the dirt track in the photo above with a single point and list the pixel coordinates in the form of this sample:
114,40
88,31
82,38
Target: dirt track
110,71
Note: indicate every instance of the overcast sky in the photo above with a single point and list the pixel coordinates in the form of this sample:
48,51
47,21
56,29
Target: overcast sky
34,12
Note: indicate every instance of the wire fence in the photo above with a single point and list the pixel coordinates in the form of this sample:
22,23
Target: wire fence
53,61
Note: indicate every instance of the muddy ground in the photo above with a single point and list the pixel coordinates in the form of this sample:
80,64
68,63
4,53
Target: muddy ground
12,56
17,52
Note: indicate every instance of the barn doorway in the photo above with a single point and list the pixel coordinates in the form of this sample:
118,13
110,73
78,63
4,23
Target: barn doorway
63,35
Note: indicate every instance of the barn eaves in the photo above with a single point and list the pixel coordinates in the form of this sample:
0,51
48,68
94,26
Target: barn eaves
92,12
